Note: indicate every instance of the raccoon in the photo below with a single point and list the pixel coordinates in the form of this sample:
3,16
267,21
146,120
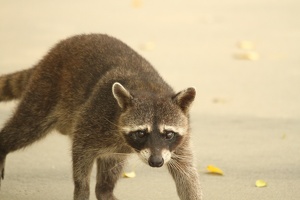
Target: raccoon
111,102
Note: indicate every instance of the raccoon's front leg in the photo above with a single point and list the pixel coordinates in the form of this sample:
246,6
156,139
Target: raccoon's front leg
82,166
185,174
108,173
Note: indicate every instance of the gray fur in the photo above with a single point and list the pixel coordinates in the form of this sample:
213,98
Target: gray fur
99,91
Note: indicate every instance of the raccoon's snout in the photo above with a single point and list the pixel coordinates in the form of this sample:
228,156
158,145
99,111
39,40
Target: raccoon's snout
156,161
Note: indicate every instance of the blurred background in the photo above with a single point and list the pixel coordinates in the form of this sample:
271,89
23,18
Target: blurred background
241,55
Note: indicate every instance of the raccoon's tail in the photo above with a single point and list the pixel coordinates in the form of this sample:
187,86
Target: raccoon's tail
13,85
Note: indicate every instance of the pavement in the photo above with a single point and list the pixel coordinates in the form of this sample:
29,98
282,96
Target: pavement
241,55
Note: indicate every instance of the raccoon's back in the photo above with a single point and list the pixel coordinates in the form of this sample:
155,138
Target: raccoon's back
79,65
85,60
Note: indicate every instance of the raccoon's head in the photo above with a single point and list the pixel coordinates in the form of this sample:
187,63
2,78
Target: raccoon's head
154,126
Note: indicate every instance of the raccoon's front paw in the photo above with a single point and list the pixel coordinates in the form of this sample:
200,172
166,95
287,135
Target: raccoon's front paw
2,163
106,197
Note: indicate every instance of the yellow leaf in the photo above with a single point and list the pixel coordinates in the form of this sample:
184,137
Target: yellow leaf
260,183
129,174
214,170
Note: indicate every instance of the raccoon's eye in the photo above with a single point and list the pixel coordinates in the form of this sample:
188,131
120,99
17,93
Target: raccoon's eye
169,135
140,134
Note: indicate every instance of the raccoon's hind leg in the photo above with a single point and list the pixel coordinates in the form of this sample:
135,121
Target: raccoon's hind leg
2,163
23,129
109,170
33,119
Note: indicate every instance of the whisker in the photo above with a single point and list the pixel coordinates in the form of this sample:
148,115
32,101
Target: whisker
130,165
178,167
118,164
111,122
186,157
181,158
135,162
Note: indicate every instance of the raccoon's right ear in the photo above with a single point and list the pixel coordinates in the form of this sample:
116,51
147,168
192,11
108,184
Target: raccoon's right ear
123,97
185,98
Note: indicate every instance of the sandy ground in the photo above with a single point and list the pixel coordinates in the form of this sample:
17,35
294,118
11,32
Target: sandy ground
246,119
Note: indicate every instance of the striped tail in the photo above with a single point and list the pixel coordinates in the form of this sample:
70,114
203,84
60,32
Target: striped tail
13,85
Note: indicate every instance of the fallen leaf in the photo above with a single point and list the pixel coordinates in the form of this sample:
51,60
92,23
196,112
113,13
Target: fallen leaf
214,170
246,45
129,174
251,55
260,183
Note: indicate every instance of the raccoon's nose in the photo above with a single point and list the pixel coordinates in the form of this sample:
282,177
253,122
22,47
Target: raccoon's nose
156,161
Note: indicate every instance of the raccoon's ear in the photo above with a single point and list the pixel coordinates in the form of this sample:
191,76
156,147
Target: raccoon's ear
122,95
184,98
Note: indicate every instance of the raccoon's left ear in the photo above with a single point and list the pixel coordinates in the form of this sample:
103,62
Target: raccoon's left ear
122,95
184,98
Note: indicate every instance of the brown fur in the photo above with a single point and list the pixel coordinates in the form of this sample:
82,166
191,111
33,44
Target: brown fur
70,90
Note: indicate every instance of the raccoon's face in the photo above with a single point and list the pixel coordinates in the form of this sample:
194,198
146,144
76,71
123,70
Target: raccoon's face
154,127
